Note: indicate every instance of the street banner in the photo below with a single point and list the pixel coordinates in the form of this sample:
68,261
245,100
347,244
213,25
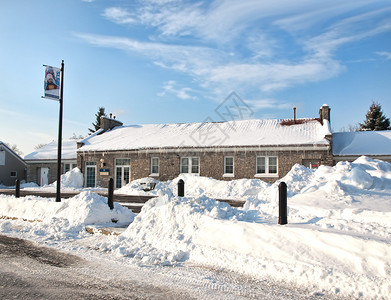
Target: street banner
52,83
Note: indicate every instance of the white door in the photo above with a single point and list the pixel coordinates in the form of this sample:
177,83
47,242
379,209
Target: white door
122,172
44,176
122,176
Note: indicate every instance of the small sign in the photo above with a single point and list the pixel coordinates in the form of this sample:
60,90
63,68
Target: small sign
104,172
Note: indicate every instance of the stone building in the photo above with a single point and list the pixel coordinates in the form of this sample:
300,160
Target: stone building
264,149
42,163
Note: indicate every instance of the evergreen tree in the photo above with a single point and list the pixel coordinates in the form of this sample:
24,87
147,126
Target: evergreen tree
100,113
375,119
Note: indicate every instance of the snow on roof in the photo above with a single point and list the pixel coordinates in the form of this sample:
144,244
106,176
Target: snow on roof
208,134
49,151
362,143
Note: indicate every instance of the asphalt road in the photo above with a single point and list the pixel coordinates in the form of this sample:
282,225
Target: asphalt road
31,271
28,271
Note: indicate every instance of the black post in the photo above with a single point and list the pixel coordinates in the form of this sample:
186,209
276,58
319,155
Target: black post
59,146
181,188
110,193
17,188
283,204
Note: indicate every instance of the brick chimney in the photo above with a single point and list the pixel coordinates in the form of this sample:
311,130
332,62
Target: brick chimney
324,113
107,123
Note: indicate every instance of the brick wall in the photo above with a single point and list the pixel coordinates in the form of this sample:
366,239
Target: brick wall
211,162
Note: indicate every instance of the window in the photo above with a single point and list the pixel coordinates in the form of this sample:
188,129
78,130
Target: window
2,157
67,167
13,174
267,165
90,173
228,165
190,165
122,172
155,165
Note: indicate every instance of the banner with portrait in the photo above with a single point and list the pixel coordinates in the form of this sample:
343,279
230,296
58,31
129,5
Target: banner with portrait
52,83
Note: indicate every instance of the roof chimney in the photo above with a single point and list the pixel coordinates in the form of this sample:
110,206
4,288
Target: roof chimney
294,114
109,123
324,113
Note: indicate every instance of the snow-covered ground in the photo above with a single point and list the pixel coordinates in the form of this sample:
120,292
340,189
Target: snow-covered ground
338,239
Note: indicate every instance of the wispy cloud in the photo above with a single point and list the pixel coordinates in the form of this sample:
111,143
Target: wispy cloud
385,54
212,66
269,104
118,15
241,45
181,93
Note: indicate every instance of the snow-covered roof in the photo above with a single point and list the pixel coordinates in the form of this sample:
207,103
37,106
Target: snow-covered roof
49,151
362,143
209,134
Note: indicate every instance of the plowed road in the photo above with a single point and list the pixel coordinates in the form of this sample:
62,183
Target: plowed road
30,271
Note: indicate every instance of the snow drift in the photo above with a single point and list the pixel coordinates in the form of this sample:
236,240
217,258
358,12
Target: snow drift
338,238
83,209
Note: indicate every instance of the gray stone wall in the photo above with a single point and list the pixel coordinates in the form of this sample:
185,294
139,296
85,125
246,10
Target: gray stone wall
34,170
211,162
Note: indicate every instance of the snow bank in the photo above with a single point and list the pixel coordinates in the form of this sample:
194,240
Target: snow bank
197,186
83,209
71,179
338,238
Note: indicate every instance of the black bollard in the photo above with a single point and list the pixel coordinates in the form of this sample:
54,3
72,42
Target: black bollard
110,193
283,204
17,188
181,188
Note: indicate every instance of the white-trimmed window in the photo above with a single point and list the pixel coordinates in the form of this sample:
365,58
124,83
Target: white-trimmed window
228,166
67,167
90,174
13,174
267,166
122,172
155,166
190,165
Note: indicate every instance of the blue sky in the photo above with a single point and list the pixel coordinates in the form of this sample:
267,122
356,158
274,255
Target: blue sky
168,61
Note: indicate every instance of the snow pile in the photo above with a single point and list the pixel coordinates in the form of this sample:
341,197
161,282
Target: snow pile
72,178
197,186
167,229
83,209
338,238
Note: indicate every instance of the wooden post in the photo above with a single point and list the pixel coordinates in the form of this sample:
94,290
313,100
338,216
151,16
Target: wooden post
110,193
17,188
181,188
283,204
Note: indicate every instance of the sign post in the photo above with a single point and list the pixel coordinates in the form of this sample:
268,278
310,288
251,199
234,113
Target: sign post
54,86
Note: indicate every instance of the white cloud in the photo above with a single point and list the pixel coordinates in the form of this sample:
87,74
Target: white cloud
268,104
212,66
181,93
118,15
242,45
385,54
